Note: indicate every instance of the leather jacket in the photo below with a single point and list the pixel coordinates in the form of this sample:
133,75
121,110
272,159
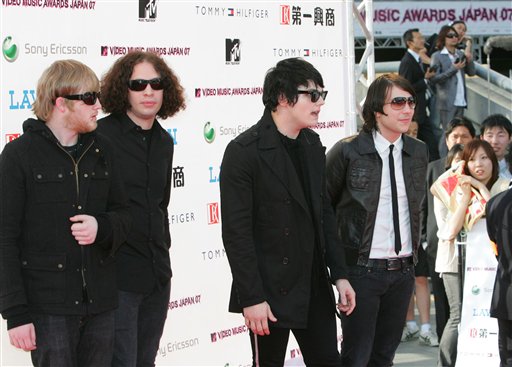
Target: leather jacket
354,170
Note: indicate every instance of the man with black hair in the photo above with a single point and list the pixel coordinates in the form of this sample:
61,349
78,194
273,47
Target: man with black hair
497,130
278,226
373,177
414,67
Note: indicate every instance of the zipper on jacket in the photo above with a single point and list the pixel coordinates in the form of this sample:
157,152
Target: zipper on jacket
82,250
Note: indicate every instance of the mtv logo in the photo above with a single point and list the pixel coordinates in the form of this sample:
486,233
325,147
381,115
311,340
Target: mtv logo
214,337
233,50
198,92
11,137
285,15
213,213
104,50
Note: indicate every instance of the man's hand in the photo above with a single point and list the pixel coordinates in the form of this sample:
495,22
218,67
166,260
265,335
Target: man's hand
257,316
23,337
429,73
84,229
347,296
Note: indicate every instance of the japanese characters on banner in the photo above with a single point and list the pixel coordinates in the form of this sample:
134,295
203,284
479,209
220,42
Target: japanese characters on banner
393,18
221,52
478,333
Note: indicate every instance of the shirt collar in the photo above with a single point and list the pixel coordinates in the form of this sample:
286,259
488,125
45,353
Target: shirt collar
382,144
445,51
415,55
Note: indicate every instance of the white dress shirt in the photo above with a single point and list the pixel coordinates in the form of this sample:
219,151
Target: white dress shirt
383,241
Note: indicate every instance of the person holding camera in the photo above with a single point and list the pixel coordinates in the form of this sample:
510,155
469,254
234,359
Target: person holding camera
465,42
449,81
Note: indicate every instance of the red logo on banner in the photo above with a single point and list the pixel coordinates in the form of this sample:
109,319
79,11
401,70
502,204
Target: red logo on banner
11,137
285,14
213,213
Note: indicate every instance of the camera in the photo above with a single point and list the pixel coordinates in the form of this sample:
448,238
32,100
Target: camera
461,58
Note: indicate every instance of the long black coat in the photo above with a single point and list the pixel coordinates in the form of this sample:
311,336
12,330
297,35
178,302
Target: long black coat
268,229
411,70
499,227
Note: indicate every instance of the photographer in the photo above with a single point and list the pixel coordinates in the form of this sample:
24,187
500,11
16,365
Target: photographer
465,42
451,65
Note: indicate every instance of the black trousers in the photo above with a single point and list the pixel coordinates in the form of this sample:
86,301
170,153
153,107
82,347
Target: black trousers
318,343
440,300
505,342
372,333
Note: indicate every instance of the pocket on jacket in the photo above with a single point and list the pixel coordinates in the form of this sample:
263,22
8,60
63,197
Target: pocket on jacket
360,174
99,185
45,277
351,227
49,184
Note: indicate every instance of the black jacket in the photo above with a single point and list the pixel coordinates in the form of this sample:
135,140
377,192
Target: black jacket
354,170
268,228
143,262
411,70
499,227
43,269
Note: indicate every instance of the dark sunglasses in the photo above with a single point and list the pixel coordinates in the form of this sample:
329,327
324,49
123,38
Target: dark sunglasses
89,98
452,35
314,94
398,103
138,85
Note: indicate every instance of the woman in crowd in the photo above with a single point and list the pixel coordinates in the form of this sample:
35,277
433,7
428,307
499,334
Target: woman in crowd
480,173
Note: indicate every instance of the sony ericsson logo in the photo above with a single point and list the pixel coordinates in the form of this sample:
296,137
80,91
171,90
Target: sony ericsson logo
209,132
475,290
10,49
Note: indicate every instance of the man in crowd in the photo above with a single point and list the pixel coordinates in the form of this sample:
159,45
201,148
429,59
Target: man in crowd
138,88
371,177
414,67
459,131
278,226
497,130
63,214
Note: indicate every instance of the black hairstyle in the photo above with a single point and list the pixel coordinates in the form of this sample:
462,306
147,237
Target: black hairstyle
284,79
376,97
460,121
496,120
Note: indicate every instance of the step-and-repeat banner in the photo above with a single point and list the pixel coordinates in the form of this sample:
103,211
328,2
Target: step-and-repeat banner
221,51
478,333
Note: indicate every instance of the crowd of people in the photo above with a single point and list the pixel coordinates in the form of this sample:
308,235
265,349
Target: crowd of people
85,275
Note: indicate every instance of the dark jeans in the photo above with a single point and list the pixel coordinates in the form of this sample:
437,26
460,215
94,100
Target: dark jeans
73,341
505,342
140,320
372,333
318,343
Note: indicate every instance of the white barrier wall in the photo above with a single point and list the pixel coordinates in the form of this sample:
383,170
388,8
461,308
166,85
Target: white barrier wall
221,52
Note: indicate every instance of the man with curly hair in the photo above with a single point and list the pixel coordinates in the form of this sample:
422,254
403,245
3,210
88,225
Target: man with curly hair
139,87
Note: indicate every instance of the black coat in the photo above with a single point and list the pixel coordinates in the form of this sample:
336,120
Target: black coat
499,228
268,228
411,70
42,267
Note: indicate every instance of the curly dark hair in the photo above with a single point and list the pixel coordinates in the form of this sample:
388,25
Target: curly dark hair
114,84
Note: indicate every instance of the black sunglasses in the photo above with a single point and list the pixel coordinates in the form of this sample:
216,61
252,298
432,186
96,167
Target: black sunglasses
89,98
138,85
314,94
398,103
452,35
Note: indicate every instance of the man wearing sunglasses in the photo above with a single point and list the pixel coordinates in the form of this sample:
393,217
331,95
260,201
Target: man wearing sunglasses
137,89
278,227
450,84
63,214
376,184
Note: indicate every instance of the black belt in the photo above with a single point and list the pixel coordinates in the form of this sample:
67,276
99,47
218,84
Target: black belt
398,263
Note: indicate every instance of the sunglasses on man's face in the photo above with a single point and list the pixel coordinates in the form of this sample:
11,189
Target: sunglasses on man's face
452,35
89,98
138,85
398,103
314,94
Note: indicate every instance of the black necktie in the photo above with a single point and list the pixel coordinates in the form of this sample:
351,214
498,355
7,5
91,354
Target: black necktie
394,201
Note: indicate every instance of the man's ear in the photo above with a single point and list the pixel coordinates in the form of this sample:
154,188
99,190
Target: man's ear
60,104
282,100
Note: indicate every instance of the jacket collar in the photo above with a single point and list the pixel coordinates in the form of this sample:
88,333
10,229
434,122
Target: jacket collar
367,146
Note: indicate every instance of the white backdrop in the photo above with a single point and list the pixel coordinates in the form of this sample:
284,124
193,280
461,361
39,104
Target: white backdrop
223,99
